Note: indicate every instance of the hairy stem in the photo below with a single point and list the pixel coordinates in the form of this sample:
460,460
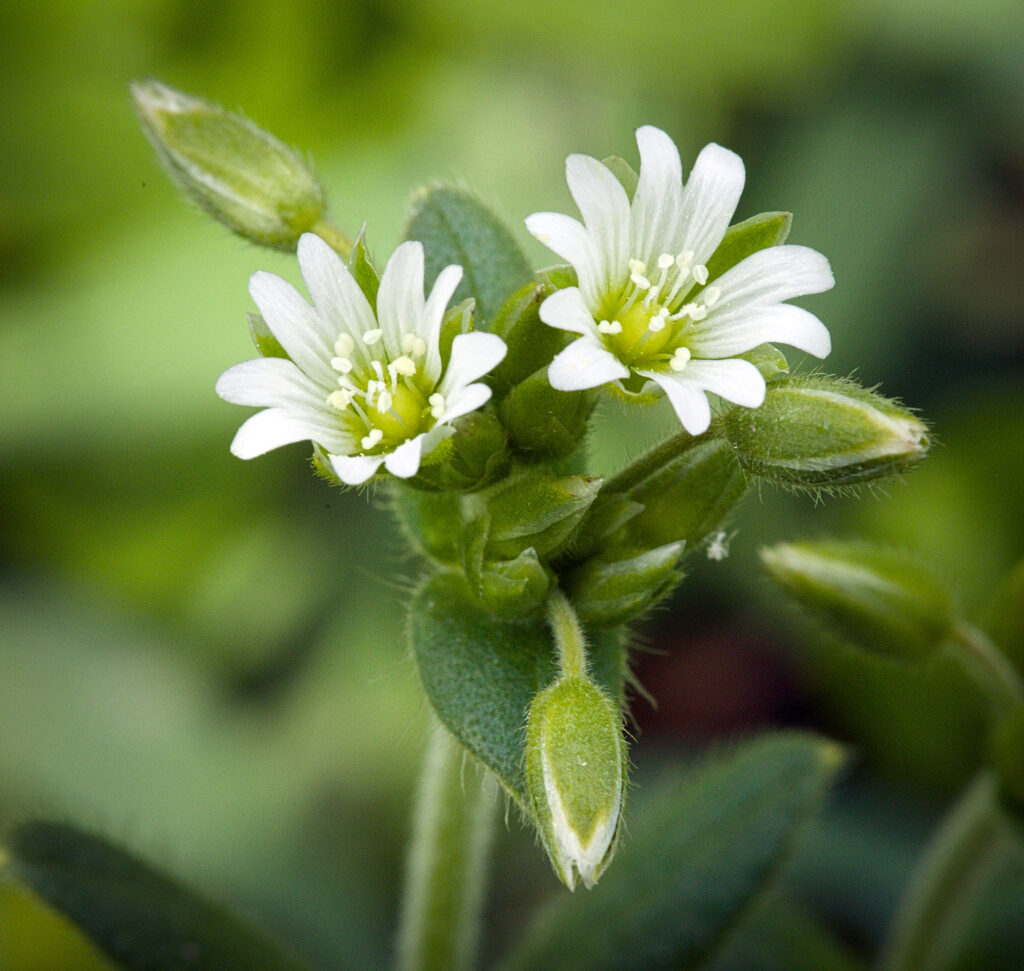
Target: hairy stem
956,868
453,824
569,639
334,238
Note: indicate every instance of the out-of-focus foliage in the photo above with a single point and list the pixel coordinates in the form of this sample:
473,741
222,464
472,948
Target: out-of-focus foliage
204,658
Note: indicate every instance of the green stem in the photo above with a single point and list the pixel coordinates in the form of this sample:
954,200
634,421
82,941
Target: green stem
569,639
989,667
955,870
334,238
439,927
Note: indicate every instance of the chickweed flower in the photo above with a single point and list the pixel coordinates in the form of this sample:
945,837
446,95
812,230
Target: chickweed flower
647,312
369,389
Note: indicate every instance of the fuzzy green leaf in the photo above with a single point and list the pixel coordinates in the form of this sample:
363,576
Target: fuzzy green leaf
481,672
699,854
138,916
455,227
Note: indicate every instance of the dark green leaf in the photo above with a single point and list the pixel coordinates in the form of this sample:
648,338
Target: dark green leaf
481,673
455,227
139,917
696,858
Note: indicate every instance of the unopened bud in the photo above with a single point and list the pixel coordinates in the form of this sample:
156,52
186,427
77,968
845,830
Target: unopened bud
575,777
544,423
473,457
240,174
879,599
531,343
614,587
816,431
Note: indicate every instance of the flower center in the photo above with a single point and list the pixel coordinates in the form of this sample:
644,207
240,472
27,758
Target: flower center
648,327
383,401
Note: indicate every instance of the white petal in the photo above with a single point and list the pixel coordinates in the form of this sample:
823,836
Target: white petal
267,381
295,324
341,305
473,356
687,399
737,381
566,310
656,203
404,461
464,400
400,298
355,469
773,275
444,286
709,200
584,364
570,240
737,332
604,205
267,430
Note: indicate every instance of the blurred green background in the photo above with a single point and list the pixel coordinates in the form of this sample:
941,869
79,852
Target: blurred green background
203,658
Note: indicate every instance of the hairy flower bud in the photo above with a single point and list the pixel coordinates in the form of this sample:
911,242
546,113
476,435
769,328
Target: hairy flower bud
575,777
542,422
880,599
816,431
240,174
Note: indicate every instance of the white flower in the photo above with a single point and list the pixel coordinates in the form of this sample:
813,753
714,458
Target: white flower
645,309
368,390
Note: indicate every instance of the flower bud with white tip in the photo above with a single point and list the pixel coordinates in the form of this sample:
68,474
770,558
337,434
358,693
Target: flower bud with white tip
576,777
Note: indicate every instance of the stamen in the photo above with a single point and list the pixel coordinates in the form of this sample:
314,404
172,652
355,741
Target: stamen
437,405
405,366
680,359
637,266
700,273
378,369
684,259
372,336
408,342
665,261
640,281
657,322
344,345
609,327
384,402
369,441
342,364
711,296
340,399
697,312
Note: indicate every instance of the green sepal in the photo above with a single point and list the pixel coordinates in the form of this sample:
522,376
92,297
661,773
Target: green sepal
544,423
431,521
473,457
608,514
136,915
534,509
624,172
363,271
455,227
531,343
576,777
817,431
747,237
481,672
514,587
457,320
559,276
882,600
267,345
617,586
240,174
769,360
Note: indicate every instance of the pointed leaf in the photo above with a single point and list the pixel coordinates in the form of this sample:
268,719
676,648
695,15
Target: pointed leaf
697,856
455,227
753,234
481,672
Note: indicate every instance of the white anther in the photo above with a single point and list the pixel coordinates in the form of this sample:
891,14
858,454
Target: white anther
610,327
340,399
665,261
657,322
637,266
684,259
372,439
697,312
700,273
372,336
344,345
384,402
680,359
378,369
711,296
342,364
640,281
409,342
405,366
437,405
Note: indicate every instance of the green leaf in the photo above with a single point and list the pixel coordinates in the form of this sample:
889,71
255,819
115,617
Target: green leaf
481,672
698,856
753,234
455,227
139,917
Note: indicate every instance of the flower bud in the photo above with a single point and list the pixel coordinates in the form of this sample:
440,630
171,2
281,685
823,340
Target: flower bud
815,431
614,587
473,457
882,600
511,588
542,422
575,777
240,174
535,509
